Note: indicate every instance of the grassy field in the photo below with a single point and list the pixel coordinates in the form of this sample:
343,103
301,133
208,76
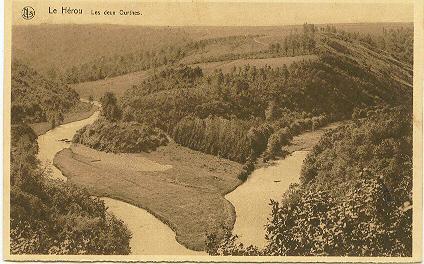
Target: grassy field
118,85
80,111
183,188
225,47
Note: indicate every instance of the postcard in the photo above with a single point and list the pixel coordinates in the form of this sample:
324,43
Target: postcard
213,131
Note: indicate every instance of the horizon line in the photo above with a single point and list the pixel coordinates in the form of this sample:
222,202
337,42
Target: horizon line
158,25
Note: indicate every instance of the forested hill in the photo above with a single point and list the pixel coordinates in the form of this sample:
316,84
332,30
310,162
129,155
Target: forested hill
36,98
244,112
369,58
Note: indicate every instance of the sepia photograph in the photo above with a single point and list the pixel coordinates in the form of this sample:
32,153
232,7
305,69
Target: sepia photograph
213,131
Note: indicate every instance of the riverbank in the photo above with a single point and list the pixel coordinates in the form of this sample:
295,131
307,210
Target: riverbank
269,181
183,188
306,141
149,235
303,142
79,112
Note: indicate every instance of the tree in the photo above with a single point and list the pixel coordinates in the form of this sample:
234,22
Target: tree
17,114
271,111
110,109
286,46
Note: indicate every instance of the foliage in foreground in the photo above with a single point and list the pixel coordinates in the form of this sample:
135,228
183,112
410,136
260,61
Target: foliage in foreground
355,198
53,217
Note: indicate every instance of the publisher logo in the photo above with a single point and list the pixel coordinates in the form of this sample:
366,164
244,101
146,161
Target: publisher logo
28,12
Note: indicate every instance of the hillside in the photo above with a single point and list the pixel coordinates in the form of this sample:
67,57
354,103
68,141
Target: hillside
344,75
119,84
355,195
359,178
36,98
42,210
50,216
356,184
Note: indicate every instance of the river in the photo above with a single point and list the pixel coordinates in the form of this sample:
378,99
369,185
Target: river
149,235
251,199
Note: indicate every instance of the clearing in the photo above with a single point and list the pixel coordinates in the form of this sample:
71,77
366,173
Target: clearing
118,85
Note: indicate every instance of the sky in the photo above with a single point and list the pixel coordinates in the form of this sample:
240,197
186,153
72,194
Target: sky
218,13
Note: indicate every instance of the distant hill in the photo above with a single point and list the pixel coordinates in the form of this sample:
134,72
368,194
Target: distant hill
57,48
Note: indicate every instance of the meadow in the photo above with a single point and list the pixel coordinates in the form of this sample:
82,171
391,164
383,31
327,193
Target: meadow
183,188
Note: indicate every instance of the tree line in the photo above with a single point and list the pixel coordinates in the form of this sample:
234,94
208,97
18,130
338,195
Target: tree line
113,133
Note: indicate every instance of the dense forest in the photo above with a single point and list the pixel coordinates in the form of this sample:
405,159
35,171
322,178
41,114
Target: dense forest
355,196
50,216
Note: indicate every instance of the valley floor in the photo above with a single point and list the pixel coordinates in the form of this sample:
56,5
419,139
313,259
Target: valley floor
183,188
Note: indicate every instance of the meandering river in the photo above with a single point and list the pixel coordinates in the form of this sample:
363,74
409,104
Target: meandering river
151,236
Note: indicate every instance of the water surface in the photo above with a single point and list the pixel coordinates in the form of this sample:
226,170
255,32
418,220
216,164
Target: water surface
251,199
53,141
